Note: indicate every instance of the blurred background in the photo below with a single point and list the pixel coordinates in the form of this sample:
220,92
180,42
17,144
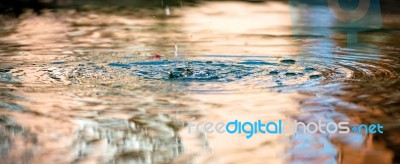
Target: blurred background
116,81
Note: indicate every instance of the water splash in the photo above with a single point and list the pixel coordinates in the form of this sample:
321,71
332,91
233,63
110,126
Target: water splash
176,50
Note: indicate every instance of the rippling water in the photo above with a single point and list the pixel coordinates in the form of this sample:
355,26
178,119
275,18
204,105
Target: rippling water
114,84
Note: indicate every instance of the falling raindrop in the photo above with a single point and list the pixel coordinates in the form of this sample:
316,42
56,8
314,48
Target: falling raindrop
167,11
176,51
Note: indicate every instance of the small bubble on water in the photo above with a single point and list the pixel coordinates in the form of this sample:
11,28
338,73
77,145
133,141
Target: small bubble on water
274,72
315,76
58,62
309,69
290,74
288,61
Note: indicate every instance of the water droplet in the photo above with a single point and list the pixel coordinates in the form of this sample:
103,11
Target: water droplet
167,11
176,51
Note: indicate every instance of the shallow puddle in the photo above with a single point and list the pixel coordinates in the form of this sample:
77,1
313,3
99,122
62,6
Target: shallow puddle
105,84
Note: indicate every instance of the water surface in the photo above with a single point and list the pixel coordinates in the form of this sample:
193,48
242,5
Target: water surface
110,84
